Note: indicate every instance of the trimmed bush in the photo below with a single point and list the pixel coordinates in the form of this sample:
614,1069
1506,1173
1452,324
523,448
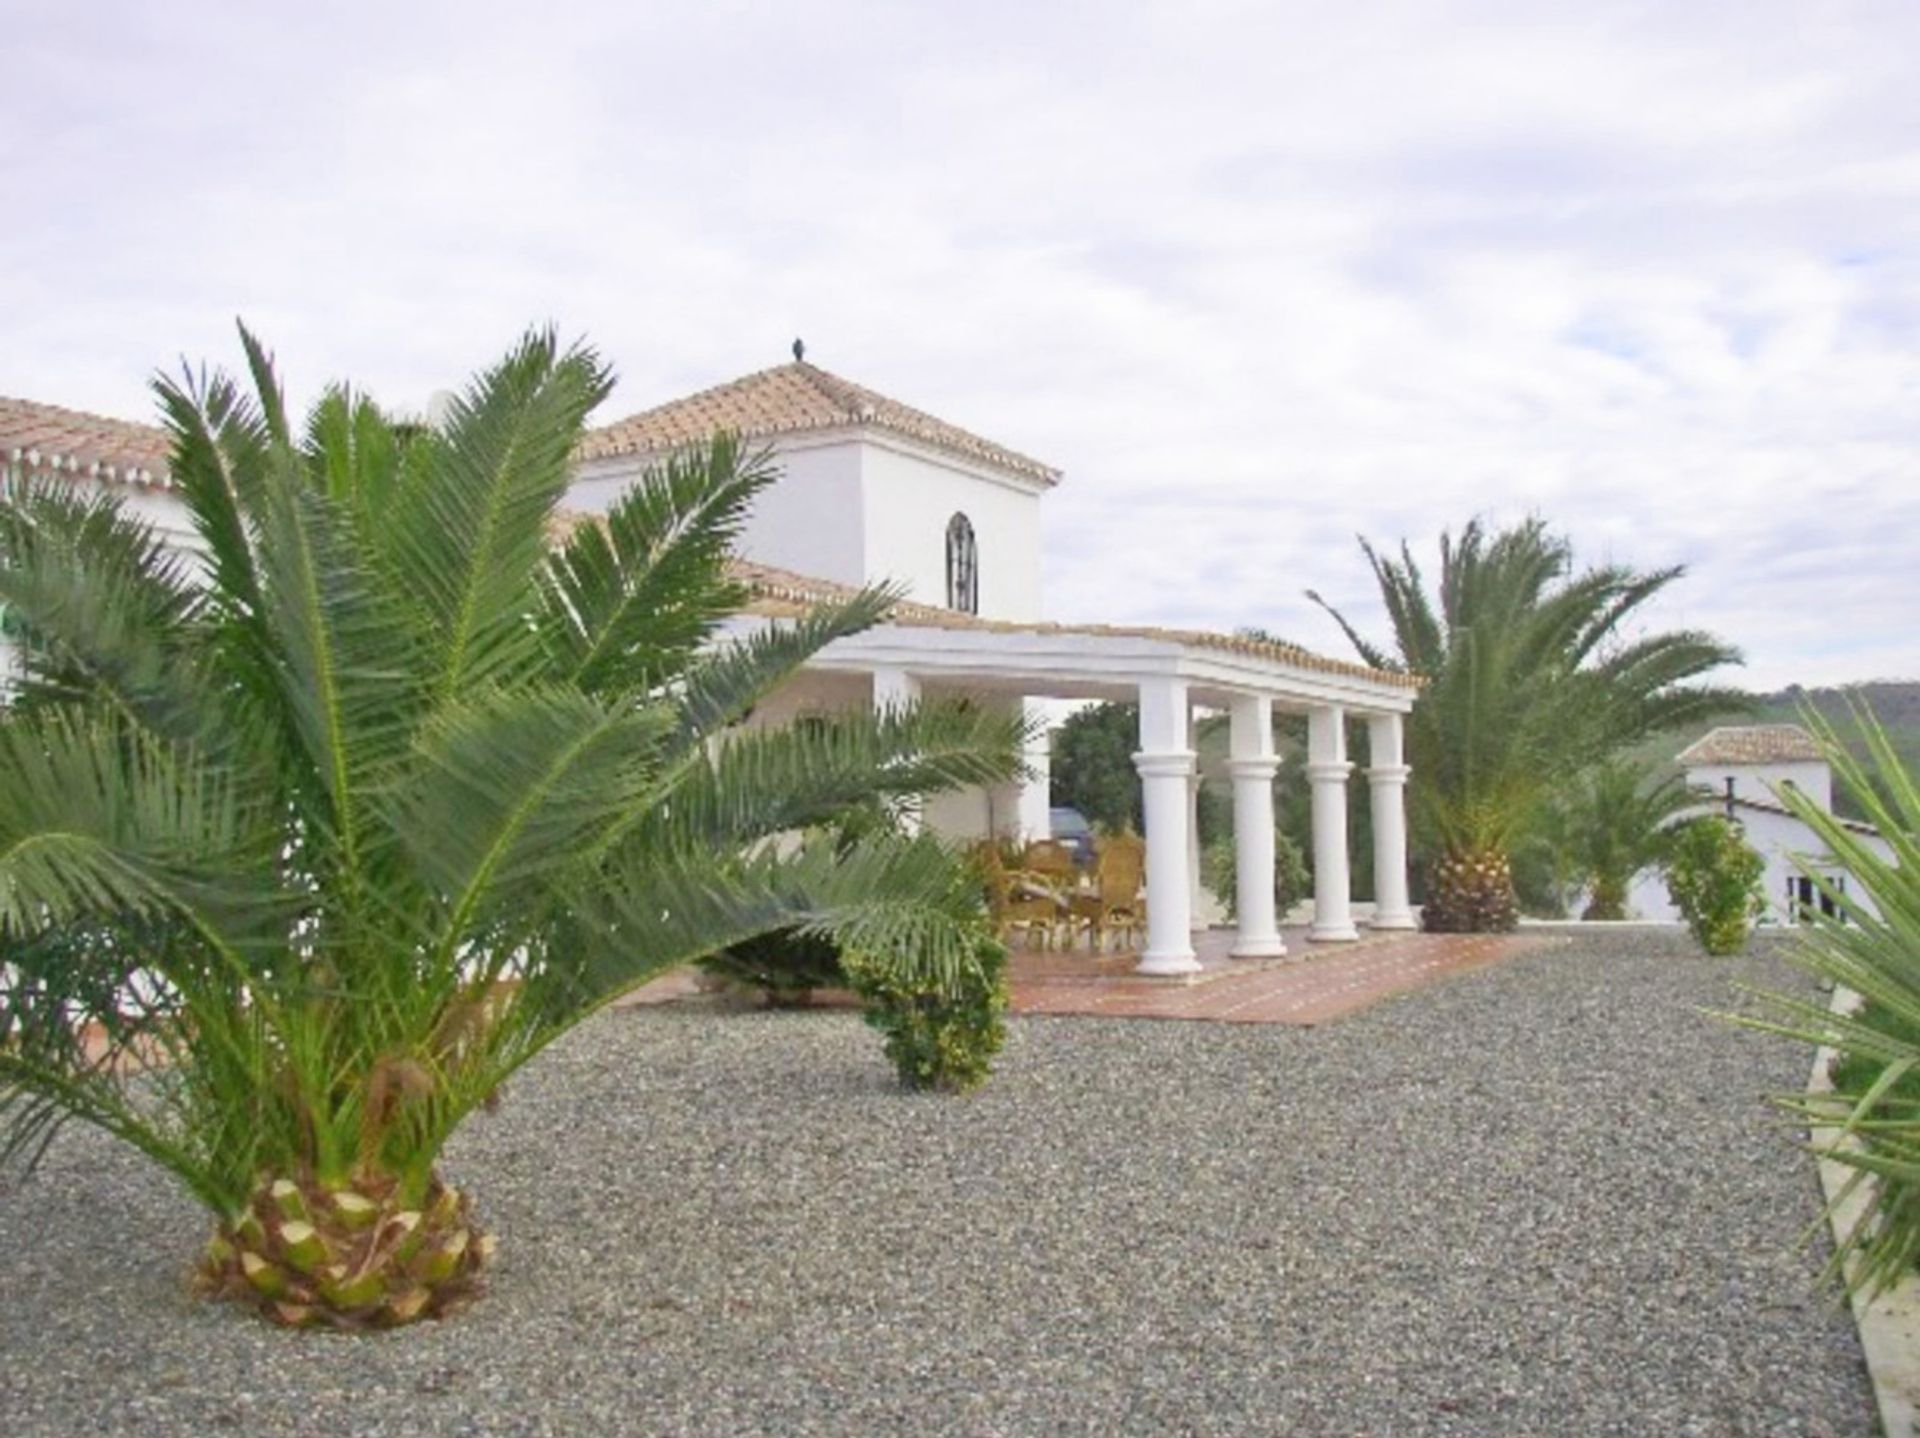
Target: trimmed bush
1713,877
786,966
940,1037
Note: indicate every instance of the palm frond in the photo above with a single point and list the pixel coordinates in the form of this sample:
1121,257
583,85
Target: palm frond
629,599
472,536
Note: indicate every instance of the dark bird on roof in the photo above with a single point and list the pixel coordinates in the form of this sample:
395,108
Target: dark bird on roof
799,351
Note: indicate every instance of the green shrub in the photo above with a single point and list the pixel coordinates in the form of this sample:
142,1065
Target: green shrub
786,966
1713,877
938,1036
1218,868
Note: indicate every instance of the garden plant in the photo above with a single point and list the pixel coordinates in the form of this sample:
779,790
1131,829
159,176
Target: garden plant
1713,877
308,843
1528,676
1869,947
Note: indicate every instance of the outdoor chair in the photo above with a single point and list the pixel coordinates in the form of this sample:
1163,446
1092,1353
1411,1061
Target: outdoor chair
1038,916
1116,904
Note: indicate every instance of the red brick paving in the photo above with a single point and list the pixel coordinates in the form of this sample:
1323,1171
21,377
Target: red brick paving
1313,984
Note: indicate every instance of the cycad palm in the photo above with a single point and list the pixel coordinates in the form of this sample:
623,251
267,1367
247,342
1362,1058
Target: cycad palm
329,837
1528,680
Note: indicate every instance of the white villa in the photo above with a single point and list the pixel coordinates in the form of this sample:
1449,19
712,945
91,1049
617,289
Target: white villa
872,490
1739,771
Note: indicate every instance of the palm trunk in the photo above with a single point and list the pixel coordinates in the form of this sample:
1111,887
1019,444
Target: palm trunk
1608,902
1471,892
312,1256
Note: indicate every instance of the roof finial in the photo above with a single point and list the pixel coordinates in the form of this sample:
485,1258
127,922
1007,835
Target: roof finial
799,351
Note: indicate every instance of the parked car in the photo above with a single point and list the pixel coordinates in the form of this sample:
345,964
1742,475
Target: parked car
1070,826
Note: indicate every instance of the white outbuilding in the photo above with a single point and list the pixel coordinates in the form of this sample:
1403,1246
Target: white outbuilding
1741,771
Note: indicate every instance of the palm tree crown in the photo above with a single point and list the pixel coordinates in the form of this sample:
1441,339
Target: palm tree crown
332,824
1531,677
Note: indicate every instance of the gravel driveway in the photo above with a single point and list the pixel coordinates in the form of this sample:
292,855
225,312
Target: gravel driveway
1546,1198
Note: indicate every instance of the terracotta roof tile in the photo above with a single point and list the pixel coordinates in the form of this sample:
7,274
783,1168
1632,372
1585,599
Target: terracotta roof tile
797,398
1752,744
45,436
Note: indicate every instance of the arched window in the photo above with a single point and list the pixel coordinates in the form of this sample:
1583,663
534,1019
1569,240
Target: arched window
963,566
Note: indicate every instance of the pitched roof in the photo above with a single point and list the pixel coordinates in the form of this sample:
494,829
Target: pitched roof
1752,744
45,436
780,593
796,398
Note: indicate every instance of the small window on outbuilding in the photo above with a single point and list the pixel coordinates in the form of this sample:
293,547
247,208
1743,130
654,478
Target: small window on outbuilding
963,566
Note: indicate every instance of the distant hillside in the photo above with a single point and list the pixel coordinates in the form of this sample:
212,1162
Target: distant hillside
1896,703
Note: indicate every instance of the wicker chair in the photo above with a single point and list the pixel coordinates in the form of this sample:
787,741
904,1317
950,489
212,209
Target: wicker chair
1116,904
1039,918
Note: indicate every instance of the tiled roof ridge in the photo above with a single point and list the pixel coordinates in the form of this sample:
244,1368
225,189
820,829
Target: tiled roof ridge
751,405
1737,744
53,437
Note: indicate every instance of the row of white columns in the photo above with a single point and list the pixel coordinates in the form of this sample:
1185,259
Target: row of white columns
1169,780
1168,777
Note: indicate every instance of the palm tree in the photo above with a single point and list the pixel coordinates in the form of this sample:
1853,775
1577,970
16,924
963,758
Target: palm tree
310,840
1611,826
1527,680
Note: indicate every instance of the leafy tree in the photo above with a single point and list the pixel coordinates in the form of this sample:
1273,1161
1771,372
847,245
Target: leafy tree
1529,676
1092,762
301,857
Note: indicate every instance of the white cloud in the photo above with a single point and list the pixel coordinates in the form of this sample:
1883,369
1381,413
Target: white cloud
1260,277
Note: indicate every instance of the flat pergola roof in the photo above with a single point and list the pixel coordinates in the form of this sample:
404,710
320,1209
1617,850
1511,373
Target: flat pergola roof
1063,662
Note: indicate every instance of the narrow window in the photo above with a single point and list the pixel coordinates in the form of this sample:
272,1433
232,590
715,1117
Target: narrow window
963,566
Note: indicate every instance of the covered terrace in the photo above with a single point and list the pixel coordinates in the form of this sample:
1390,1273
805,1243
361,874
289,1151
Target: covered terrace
1172,675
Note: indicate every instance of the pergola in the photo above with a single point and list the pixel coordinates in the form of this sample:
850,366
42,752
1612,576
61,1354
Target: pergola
1171,673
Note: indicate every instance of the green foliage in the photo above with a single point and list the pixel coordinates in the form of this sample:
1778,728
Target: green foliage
787,966
942,1038
1869,947
1615,822
1092,766
1528,679
337,839
1713,877
1291,882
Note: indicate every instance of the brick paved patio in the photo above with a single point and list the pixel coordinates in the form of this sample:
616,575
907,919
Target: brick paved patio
1313,984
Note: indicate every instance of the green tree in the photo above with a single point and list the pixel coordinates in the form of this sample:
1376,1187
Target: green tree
1529,676
301,857
1616,822
1092,765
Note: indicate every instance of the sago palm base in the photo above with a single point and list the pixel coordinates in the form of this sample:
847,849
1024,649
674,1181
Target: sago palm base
1471,894
309,1256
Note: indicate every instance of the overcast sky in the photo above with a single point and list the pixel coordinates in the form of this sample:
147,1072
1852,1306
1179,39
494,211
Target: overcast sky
1259,278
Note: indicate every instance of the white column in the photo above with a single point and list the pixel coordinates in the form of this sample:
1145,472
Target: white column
1036,813
1196,902
1327,770
895,689
1252,763
1165,762
1387,786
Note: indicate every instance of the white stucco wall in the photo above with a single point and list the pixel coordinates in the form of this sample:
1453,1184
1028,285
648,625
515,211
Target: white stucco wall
1758,781
810,520
910,498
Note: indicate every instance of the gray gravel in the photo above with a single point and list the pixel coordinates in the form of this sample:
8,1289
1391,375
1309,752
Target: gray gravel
1545,1198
